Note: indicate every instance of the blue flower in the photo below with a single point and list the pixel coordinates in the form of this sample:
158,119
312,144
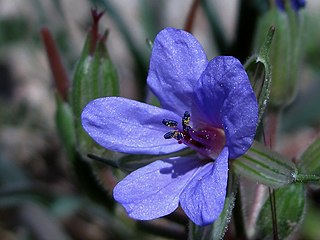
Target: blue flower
296,4
208,106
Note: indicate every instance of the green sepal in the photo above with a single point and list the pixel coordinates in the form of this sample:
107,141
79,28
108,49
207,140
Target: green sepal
310,160
217,229
266,167
258,68
94,77
290,204
65,126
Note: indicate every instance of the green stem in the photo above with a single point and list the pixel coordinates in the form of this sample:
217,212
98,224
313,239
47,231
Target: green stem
273,206
305,178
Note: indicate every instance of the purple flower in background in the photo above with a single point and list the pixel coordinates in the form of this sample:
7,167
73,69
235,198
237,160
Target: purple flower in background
208,106
296,4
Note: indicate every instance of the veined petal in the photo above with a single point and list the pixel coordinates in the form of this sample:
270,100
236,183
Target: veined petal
224,98
129,126
153,191
177,61
203,198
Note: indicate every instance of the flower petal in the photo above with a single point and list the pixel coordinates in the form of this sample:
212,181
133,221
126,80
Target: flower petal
203,198
297,4
153,191
129,126
224,98
177,62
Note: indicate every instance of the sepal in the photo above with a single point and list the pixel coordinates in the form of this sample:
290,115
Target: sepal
266,167
258,68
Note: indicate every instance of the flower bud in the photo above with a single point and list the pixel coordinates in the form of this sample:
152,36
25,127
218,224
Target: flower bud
94,77
285,55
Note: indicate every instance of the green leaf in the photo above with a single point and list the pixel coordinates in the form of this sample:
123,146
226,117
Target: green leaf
290,204
258,68
310,225
220,226
310,160
265,166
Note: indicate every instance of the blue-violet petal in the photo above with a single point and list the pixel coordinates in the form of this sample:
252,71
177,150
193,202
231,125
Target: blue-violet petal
224,98
153,191
129,126
176,63
203,198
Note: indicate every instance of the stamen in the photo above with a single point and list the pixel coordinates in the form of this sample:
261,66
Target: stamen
206,141
173,134
186,121
170,123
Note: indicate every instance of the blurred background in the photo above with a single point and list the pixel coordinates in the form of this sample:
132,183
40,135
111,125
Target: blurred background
39,195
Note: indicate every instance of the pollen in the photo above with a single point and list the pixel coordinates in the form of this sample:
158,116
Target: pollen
170,123
186,120
173,134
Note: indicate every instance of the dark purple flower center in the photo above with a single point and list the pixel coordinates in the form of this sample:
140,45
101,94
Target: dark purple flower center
206,141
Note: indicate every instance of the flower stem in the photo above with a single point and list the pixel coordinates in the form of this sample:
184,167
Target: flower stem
272,199
304,178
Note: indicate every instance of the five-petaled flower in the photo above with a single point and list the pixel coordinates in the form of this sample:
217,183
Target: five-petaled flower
208,106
